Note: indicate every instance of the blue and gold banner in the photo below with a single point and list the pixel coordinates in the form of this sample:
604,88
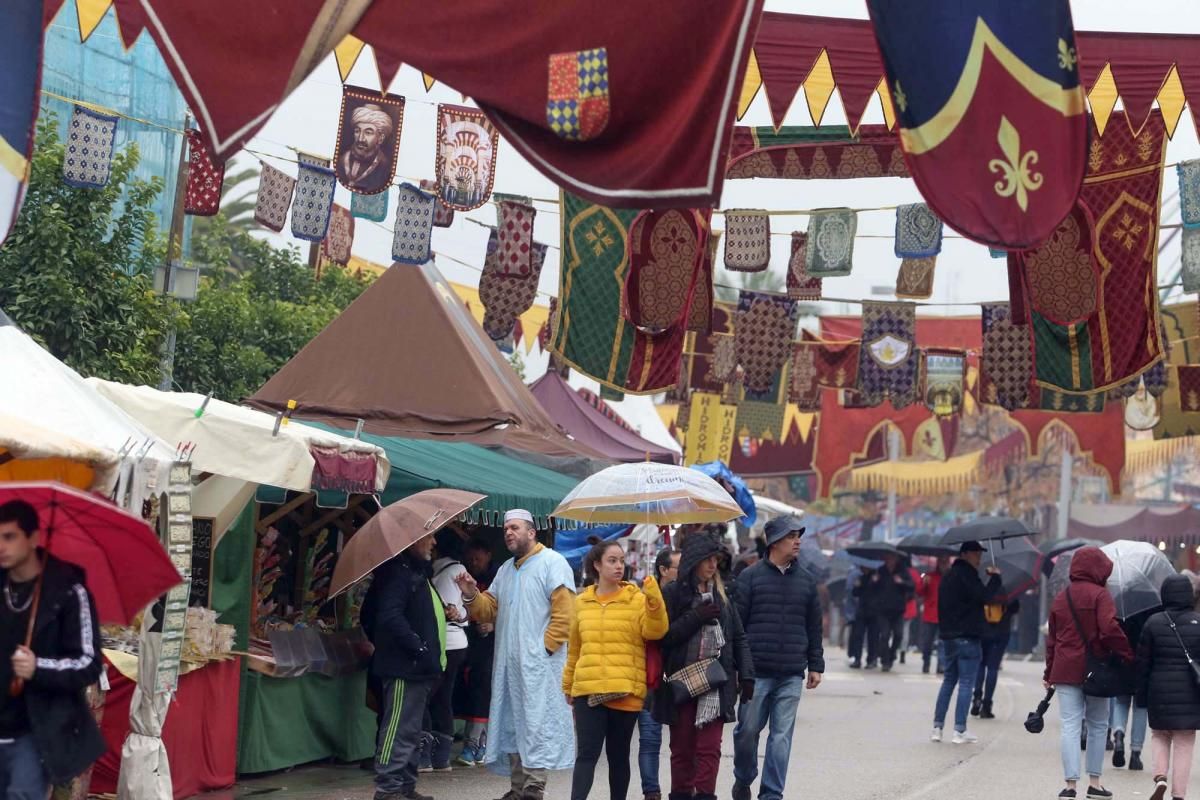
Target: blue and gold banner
21,65
991,111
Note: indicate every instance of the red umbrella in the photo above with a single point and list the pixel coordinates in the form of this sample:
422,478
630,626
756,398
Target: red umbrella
126,566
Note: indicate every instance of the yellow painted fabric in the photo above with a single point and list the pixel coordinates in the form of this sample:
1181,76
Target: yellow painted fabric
1103,97
607,648
1171,100
90,13
920,477
750,86
72,473
346,54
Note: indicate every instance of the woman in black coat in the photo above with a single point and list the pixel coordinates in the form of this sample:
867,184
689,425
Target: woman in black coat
1168,687
701,613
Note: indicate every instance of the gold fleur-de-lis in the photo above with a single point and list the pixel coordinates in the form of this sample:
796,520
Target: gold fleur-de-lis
599,238
901,98
1016,173
1066,55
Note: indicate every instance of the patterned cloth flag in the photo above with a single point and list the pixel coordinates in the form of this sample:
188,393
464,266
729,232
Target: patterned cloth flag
1189,387
89,148
413,234
915,279
506,296
801,285
313,160
312,203
203,194
1070,402
368,139
373,207
339,242
515,237
722,367
700,318
1061,278
21,65
1189,192
1190,271
805,390
837,364
889,362
918,232
466,159
747,241
1120,338
829,252
945,380
594,336
761,420
1006,365
763,333
275,189
443,215
666,251
1154,379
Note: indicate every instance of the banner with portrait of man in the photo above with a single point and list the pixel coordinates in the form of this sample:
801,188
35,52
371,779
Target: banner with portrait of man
368,141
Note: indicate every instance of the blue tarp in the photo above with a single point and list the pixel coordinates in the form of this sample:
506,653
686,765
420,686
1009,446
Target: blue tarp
573,544
717,470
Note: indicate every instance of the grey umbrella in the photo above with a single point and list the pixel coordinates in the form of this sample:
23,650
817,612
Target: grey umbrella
925,544
875,550
1057,548
1018,561
982,529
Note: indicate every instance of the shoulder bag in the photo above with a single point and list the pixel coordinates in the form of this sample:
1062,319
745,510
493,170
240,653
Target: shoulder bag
1103,677
1194,666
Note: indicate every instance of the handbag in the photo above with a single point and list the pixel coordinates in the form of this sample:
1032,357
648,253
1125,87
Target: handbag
654,666
1103,677
696,679
1195,667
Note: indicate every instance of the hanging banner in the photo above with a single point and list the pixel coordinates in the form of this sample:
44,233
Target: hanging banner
710,431
368,140
21,63
991,111
466,159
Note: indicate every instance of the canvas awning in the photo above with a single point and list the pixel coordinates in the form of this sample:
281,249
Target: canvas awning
1176,526
590,425
241,443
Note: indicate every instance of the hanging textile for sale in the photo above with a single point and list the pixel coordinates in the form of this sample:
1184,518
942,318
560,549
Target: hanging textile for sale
889,362
1188,376
1061,277
466,158
801,285
805,390
507,295
666,251
202,197
275,189
593,336
373,207
826,152
1190,258
1070,402
1188,173
1120,339
945,380
991,112
1006,364
918,232
700,317
759,419
829,251
514,233
413,232
368,139
87,157
339,242
837,364
747,241
313,201
846,434
722,364
443,215
699,348
21,40
313,160
763,333
914,281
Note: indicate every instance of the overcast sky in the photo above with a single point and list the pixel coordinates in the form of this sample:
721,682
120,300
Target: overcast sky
965,272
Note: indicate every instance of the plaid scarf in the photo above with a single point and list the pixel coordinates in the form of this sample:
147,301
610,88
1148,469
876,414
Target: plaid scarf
707,643
600,699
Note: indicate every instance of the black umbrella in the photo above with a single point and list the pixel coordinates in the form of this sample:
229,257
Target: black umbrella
875,550
925,544
1018,562
982,529
813,560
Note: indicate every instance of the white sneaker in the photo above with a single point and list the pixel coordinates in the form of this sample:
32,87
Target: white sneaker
936,736
963,737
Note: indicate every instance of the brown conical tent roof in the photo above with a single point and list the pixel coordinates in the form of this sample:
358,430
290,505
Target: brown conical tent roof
408,359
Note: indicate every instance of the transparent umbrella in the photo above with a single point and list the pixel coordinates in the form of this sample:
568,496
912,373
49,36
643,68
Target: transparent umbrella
1139,569
646,492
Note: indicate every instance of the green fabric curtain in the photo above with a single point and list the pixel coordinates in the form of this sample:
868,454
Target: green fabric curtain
233,574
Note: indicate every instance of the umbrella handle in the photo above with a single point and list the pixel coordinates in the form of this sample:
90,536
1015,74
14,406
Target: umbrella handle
16,686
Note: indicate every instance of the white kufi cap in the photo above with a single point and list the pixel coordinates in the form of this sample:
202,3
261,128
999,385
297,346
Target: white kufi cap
518,513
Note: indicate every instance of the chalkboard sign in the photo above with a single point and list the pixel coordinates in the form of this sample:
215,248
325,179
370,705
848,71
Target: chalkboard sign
202,552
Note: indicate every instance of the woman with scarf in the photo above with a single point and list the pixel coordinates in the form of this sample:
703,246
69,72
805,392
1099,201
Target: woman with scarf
705,635
605,676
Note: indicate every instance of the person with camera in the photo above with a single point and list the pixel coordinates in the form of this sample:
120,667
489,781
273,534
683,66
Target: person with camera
1082,641
1169,685
706,660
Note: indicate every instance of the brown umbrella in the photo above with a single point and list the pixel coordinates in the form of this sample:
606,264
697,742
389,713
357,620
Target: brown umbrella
390,532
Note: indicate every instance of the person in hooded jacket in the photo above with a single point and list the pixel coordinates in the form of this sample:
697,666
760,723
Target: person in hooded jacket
704,623
1067,642
886,593
1168,686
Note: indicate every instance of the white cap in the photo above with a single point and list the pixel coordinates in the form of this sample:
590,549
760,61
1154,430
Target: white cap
518,513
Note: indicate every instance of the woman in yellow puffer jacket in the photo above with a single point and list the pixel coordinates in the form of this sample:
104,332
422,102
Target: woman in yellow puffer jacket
605,676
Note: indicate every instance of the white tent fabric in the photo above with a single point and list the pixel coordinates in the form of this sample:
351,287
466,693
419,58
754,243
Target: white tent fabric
24,439
236,442
145,772
41,392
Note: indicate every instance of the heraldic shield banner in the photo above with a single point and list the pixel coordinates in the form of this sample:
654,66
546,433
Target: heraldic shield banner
991,111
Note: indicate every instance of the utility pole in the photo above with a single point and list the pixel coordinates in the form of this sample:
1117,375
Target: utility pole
894,458
174,243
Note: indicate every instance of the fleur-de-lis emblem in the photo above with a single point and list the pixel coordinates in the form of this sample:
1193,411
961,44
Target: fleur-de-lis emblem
1017,176
901,98
1066,55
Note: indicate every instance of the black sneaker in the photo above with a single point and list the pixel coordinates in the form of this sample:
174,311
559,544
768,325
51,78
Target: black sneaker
741,791
1160,788
1118,749
1135,761
1066,794
871,665
413,794
856,664
1099,793
976,706
985,710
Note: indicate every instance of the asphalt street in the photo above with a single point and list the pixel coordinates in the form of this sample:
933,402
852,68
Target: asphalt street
861,734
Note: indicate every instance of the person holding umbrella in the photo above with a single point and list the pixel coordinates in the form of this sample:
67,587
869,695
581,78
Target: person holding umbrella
885,593
47,733
961,599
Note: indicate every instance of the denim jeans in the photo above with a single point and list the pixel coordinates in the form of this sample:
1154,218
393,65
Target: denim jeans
929,640
21,773
962,665
775,701
1075,707
649,747
1119,713
989,668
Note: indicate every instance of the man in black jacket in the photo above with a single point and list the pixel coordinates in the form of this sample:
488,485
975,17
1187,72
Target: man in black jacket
47,733
406,621
885,593
781,613
961,622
